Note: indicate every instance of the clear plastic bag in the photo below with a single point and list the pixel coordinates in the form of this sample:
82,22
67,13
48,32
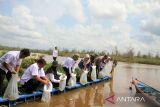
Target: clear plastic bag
102,73
62,83
108,68
93,73
72,80
105,71
46,96
83,79
11,92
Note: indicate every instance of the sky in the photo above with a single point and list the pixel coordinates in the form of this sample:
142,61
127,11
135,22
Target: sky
99,25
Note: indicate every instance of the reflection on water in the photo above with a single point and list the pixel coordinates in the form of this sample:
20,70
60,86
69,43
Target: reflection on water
95,95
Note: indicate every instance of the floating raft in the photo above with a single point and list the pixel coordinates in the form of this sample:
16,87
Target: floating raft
37,94
151,94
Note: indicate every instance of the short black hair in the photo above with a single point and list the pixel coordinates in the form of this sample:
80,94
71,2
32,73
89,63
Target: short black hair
25,52
41,61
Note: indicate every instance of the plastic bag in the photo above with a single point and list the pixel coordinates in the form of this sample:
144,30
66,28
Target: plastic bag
62,83
83,79
11,92
72,80
108,68
46,96
102,73
105,71
93,73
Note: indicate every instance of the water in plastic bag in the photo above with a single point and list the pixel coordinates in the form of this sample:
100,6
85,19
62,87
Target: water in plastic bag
93,73
11,92
72,80
83,79
46,96
62,83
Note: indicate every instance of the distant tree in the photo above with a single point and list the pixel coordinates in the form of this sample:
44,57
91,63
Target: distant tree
157,55
102,53
149,55
116,51
130,53
144,56
139,54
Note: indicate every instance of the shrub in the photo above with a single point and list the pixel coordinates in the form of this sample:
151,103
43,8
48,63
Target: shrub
27,62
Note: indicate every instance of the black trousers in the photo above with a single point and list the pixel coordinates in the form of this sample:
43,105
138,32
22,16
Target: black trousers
97,69
55,85
66,70
2,77
89,75
31,85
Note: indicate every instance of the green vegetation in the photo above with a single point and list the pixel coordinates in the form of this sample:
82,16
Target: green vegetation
130,56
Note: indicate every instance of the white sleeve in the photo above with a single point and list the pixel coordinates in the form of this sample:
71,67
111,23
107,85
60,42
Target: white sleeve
73,68
34,71
42,74
51,77
19,62
69,62
59,73
8,58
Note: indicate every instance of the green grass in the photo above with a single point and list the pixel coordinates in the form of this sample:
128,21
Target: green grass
152,61
65,52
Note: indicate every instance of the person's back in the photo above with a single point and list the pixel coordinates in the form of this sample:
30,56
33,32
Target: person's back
68,62
14,57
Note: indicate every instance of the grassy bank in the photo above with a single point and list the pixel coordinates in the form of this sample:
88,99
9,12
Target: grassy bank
128,57
141,60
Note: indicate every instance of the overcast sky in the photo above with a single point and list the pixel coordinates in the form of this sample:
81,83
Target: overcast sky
81,24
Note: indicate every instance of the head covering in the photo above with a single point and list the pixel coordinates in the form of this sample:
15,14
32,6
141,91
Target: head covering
87,56
55,63
76,56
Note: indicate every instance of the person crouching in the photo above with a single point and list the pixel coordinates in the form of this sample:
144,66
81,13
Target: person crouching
53,75
34,77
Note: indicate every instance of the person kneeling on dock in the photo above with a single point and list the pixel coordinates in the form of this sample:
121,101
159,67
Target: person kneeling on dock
69,64
53,75
34,77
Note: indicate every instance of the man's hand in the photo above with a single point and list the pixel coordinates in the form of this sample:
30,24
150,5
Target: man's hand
46,82
14,72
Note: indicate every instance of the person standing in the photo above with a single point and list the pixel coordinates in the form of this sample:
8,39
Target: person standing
55,53
10,63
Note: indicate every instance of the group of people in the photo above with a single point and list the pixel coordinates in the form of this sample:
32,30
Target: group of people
35,76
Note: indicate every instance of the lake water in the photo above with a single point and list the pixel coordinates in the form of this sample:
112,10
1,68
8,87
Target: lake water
96,95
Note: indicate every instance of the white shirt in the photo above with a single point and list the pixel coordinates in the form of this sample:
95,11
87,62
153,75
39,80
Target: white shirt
31,71
69,63
55,53
50,76
12,59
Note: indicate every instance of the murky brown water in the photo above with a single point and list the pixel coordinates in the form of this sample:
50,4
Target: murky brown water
95,95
